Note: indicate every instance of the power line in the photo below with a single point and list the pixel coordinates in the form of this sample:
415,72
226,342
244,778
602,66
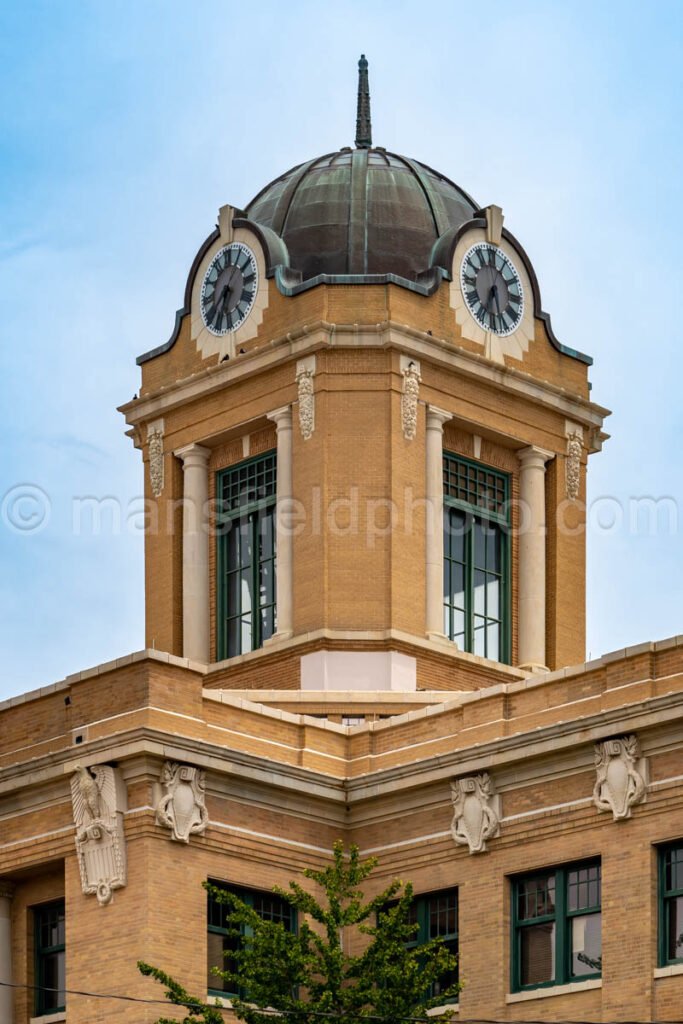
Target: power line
314,1013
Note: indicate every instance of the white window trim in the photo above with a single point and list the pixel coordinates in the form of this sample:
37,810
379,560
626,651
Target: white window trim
553,990
669,971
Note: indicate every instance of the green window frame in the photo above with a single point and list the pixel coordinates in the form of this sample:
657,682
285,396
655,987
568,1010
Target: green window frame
476,573
556,926
436,915
671,904
246,555
220,943
49,923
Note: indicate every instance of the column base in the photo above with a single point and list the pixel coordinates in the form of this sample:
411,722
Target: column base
278,638
534,667
441,638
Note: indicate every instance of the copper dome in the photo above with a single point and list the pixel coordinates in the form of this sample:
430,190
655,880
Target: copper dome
360,212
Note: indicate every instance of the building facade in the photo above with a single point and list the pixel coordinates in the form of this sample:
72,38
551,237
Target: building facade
364,462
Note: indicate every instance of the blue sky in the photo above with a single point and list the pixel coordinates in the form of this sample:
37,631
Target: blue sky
124,126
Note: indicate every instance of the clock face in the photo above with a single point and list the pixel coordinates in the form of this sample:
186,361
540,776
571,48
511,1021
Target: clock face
492,289
229,288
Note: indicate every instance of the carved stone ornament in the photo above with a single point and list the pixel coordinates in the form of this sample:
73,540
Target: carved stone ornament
182,806
98,795
304,380
476,811
155,439
620,779
573,465
411,390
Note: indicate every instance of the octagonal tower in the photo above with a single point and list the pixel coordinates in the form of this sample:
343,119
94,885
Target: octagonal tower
365,448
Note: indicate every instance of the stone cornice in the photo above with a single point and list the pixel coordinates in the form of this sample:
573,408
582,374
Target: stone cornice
387,334
508,751
544,745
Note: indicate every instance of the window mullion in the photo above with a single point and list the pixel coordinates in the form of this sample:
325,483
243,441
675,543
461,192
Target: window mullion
255,590
562,927
469,593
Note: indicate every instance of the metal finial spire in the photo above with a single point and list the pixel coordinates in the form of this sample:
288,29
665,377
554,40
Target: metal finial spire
363,124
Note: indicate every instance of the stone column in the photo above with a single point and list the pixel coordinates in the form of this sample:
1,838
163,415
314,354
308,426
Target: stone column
283,525
434,526
195,460
6,1000
532,556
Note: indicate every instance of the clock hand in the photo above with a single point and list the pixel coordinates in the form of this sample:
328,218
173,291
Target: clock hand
495,295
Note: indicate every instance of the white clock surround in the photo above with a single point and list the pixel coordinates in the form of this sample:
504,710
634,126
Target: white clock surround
495,346
208,343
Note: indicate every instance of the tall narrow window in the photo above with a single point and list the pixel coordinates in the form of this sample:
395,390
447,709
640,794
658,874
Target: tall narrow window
50,958
221,944
671,905
246,497
476,554
557,936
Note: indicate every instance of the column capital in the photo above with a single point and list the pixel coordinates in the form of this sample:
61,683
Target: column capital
282,417
193,455
6,890
437,417
533,457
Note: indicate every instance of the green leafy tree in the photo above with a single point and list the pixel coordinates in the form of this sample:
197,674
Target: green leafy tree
307,975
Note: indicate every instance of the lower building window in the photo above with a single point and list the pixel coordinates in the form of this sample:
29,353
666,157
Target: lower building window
557,935
436,915
246,611
221,943
50,957
476,575
671,905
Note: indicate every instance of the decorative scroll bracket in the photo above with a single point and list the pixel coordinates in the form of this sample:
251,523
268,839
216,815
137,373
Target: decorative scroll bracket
182,806
621,776
476,811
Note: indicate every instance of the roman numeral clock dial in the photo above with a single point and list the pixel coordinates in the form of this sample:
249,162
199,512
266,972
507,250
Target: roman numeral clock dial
229,289
492,289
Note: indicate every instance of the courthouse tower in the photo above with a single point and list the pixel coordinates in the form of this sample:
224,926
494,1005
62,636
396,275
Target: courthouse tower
364,461
365,345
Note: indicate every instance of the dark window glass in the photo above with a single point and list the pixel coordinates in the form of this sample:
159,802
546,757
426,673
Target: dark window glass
671,905
50,954
558,926
220,944
436,915
475,583
247,613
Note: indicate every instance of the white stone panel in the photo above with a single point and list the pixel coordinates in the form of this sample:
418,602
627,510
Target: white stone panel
358,670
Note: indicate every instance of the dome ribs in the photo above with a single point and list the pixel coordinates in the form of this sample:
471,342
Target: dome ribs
357,252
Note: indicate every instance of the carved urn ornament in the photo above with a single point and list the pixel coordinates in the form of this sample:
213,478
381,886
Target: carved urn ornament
620,779
476,811
182,806
98,796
